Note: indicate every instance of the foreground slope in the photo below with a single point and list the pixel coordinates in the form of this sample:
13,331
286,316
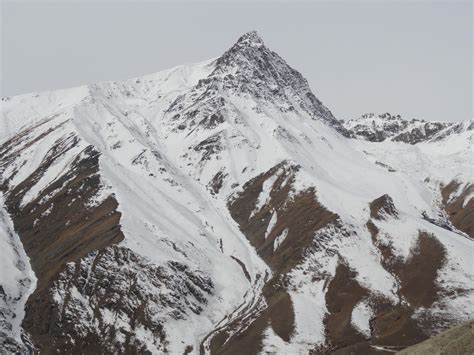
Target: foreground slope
458,340
221,205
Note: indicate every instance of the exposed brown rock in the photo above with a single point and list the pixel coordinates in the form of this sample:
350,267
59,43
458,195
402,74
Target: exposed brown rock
382,207
81,273
461,217
278,315
418,274
394,327
343,293
388,259
301,216
244,268
8,149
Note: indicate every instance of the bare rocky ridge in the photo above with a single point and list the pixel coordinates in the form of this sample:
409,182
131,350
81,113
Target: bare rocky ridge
385,126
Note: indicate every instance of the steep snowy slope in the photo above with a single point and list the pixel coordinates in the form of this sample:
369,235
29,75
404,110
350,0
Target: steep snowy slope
221,206
17,282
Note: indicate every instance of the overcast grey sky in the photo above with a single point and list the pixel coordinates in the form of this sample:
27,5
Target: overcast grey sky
412,58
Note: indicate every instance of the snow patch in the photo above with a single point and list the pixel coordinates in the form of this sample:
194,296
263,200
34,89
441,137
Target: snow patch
360,318
271,224
279,239
264,195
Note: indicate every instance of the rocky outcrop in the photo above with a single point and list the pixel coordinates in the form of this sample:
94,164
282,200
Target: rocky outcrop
378,128
383,207
422,132
458,201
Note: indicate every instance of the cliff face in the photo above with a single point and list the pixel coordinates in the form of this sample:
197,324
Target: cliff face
221,206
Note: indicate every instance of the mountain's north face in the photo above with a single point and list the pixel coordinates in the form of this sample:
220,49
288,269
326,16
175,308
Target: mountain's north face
221,208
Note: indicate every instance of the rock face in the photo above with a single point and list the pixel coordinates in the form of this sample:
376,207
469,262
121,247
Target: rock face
383,207
221,206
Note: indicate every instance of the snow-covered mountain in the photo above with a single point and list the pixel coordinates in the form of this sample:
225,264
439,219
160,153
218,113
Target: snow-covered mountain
221,207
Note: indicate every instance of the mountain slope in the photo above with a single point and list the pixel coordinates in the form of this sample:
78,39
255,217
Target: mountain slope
457,340
221,205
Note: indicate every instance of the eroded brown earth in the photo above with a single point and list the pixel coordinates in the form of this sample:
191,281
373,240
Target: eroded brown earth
343,293
460,212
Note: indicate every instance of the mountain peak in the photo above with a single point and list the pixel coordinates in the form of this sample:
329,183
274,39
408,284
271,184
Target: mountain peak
249,67
250,39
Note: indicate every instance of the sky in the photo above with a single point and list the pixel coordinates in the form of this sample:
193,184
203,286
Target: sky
412,58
